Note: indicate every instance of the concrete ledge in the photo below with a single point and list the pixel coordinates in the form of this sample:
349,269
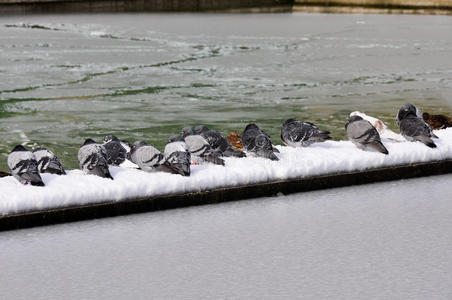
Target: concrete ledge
133,206
438,7
101,6
339,9
380,3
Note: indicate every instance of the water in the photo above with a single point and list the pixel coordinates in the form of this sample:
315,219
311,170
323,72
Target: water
380,241
145,76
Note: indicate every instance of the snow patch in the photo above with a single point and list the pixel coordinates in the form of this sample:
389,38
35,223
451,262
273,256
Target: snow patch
76,188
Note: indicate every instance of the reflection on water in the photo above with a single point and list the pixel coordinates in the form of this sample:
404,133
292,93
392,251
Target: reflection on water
381,241
145,76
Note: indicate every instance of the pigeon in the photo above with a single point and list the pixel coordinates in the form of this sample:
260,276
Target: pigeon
258,142
116,152
217,142
380,126
178,158
414,128
24,167
301,134
364,135
176,138
147,157
408,109
187,131
437,121
48,162
201,151
93,159
235,139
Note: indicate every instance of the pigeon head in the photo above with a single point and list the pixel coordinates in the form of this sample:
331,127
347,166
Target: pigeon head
175,138
288,121
251,126
200,129
353,119
139,144
187,131
407,110
89,141
19,148
109,138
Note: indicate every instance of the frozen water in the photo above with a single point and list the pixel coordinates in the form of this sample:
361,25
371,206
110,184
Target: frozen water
379,241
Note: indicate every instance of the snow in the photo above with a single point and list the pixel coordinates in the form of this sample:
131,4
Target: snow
328,157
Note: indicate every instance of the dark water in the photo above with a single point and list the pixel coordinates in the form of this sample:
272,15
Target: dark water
381,241
145,76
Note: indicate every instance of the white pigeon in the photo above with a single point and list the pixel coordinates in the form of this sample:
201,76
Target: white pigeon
380,126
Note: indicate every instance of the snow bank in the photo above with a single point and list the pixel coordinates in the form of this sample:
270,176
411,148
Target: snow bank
77,188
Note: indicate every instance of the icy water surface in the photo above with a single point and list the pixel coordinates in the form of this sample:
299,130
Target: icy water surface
380,241
145,76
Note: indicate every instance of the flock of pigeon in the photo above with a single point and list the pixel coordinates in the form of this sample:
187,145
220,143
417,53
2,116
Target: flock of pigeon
200,144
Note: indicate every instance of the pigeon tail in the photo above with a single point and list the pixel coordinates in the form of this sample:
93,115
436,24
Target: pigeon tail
33,178
269,155
272,156
212,158
378,146
56,171
233,152
322,135
37,183
180,169
101,171
167,168
426,140
55,168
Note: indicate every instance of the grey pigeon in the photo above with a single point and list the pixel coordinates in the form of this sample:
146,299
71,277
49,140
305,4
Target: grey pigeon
414,128
186,131
48,162
147,157
408,109
258,142
364,135
201,150
24,167
176,138
178,158
93,159
218,142
116,151
301,134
